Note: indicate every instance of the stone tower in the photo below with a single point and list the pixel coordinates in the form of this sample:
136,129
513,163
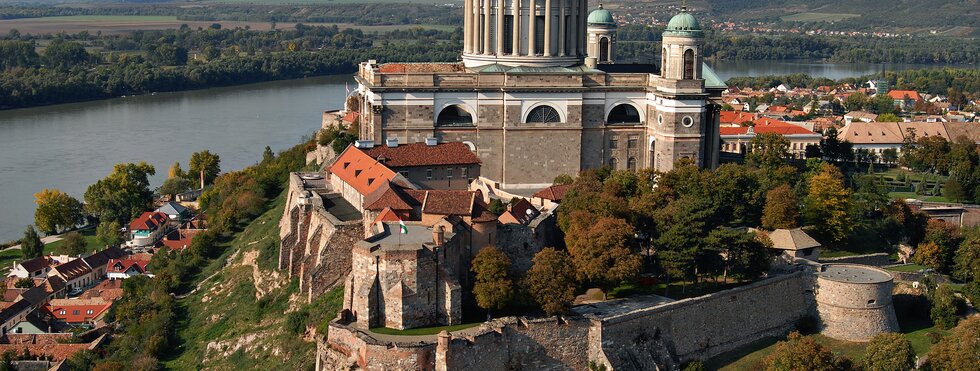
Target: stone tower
680,129
602,36
532,33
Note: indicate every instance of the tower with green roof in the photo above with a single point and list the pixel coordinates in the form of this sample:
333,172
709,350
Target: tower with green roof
602,35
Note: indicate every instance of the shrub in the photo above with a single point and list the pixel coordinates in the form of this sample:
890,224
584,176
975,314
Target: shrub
296,322
889,351
800,353
944,305
960,350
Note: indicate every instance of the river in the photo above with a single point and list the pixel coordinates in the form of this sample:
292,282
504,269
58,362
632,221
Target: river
70,146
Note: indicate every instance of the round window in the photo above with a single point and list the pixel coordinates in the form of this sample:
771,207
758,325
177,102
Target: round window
660,119
687,121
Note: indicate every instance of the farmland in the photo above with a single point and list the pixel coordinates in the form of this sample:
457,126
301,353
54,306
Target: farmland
819,17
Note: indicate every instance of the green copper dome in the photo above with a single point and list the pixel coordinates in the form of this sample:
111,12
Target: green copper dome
601,16
683,24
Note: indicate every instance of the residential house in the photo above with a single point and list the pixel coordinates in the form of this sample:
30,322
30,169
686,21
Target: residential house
17,304
53,347
147,229
904,98
179,239
31,268
736,118
794,244
175,212
134,265
551,195
99,261
78,312
879,136
430,165
862,116
39,322
76,274
738,139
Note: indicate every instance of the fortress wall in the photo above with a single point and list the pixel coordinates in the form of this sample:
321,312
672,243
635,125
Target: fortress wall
370,354
855,311
702,327
519,344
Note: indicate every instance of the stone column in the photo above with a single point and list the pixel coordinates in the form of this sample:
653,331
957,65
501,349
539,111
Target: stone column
516,9
531,37
547,28
499,35
467,26
476,27
486,27
582,24
573,31
562,28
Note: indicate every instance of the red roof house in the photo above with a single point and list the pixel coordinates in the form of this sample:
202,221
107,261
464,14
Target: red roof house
78,311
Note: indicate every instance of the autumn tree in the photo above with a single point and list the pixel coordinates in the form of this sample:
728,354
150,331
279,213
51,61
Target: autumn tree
234,197
960,350
175,171
551,281
967,259
31,245
108,233
600,250
493,287
889,352
928,254
123,194
947,238
944,306
768,151
781,210
72,244
56,211
800,353
205,164
827,204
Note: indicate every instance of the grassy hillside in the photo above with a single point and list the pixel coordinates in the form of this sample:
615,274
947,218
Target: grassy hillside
246,314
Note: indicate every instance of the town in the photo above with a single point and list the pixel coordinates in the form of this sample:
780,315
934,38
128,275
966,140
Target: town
537,204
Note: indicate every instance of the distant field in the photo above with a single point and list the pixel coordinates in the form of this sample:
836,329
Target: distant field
328,2
819,17
119,24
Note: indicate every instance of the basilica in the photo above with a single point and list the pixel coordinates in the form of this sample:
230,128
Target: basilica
538,93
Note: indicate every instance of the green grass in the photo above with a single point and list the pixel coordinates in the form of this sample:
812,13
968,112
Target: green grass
752,359
677,290
838,253
907,268
8,256
91,241
423,330
818,17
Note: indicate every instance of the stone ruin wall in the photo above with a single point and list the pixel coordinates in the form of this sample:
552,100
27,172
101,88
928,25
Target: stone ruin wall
518,344
702,327
361,350
314,245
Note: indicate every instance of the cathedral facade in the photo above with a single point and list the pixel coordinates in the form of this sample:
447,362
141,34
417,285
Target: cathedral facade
538,93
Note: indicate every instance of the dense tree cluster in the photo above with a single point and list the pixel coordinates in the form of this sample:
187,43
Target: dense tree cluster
953,82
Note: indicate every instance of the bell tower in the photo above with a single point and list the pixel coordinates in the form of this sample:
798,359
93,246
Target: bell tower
602,36
683,41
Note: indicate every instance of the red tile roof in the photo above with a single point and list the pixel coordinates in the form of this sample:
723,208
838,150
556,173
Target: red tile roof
553,193
446,202
735,117
420,154
55,346
73,269
521,212
108,290
360,171
390,197
901,94
387,215
148,221
77,310
179,239
351,117
136,262
767,126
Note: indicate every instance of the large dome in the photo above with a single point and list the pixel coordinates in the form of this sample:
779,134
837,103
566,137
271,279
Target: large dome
601,16
683,24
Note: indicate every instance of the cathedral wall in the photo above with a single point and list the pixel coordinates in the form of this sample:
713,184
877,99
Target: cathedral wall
536,156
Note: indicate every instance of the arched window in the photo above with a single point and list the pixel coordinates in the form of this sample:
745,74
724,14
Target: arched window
604,49
612,163
543,115
689,64
631,163
454,115
623,114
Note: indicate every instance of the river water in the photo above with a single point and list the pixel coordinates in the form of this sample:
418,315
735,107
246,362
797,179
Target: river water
73,145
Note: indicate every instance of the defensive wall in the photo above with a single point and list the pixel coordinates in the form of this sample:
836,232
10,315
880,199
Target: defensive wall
854,302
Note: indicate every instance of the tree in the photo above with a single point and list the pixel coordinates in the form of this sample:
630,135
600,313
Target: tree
889,352
600,250
781,210
497,206
551,281
108,233
928,254
947,238
944,306
855,101
56,211
83,360
207,164
835,149
889,117
123,194
563,179
72,244
800,353
745,256
881,104
24,283
31,245
493,287
176,171
967,257
960,350
61,54
768,151
174,186
827,204
889,156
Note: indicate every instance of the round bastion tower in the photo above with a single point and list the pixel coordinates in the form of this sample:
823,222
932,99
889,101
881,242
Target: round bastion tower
532,33
602,36
854,302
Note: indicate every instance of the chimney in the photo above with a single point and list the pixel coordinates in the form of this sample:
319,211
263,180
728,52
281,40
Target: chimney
591,62
391,142
438,235
431,141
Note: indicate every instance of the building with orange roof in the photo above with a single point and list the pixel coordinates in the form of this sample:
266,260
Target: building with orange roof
432,165
904,98
78,311
738,139
147,229
356,175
